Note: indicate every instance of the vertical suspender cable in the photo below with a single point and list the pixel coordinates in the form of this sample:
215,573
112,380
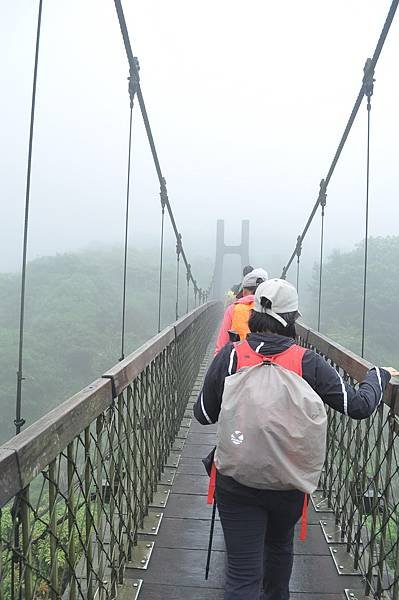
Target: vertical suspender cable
298,254
322,202
19,421
160,270
126,237
133,82
188,276
178,246
163,195
368,90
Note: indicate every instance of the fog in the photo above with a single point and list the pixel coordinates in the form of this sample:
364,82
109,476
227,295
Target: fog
247,103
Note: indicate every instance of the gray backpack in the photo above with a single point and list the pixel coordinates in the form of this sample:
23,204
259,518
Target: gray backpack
271,430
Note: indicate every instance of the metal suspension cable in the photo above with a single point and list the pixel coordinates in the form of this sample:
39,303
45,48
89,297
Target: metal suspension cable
298,254
177,277
369,87
126,238
188,287
132,90
161,263
19,421
131,59
323,202
372,62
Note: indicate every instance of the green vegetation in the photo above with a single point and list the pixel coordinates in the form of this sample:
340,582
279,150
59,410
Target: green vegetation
73,316
73,323
343,300
42,561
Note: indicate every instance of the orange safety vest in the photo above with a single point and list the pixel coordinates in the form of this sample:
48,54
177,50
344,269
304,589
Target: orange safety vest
239,321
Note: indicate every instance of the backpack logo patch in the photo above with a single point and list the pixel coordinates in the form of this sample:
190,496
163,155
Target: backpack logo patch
237,438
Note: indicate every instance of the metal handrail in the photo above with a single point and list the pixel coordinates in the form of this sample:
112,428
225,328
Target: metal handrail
360,480
76,485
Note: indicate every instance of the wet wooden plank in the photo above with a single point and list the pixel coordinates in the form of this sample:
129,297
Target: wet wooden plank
188,506
189,533
191,466
156,591
191,484
311,574
182,567
197,451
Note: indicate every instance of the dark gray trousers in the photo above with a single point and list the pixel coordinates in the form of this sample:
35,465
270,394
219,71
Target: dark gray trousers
258,528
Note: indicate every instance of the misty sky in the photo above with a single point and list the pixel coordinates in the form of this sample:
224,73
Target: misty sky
247,103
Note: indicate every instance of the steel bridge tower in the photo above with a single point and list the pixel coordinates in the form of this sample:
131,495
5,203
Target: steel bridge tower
222,249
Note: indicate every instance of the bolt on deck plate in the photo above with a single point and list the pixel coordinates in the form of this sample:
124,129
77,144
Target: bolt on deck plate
151,522
182,433
141,555
160,497
178,445
173,460
331,531
320,502
358,595
343,561
130,590
168,477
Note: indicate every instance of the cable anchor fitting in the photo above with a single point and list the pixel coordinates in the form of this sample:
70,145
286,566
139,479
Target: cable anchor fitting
179,246
134,79
298,248
322,196
163,194
368,81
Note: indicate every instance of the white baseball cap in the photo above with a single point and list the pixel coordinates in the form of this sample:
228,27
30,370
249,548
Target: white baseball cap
282,297
253,278
260,273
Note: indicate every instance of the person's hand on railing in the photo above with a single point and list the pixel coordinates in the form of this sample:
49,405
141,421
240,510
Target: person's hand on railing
394,372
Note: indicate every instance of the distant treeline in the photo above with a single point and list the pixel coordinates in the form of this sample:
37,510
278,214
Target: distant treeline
342,299
73,322
73,316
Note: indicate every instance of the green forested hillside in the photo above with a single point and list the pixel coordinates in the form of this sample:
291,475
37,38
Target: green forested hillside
73,316
343,298
73,322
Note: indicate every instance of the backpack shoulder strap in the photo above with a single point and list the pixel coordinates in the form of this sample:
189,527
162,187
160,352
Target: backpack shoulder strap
246,357
290,359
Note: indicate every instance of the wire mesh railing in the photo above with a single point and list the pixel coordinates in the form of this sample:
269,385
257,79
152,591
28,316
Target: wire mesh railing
360,480
76,485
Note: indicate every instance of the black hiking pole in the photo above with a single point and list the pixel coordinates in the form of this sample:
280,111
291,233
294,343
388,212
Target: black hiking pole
208,560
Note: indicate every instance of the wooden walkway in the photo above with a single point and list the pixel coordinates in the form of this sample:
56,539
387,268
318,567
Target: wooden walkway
177,565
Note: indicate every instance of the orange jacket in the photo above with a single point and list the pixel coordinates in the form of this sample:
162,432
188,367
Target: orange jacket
235,319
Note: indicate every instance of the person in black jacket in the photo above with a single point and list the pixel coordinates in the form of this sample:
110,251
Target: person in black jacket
258,525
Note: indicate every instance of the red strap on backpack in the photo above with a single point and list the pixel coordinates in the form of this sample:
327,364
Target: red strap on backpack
291,358
304,519
212,484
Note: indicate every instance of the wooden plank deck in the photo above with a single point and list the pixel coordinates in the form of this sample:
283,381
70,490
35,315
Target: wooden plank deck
176,570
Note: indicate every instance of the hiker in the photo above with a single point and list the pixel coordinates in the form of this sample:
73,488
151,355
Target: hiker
258,521
236,314
236,289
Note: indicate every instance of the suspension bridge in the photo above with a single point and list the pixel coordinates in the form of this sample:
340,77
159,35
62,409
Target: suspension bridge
105,496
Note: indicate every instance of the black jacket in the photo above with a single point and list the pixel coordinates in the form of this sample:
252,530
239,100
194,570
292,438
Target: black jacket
322,377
